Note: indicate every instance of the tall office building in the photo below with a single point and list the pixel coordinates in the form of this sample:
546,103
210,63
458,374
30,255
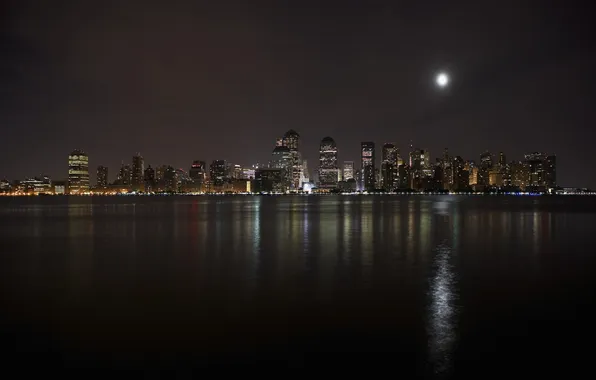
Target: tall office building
348,170
78,172
170,179
486,164
291,140
543,169
217,172
328,169
389,169
536,164
551,171
420,169
305,176
124,176
520,174
461,176
367,164
502,160
448,177
281,158
198,171
149,179
102,177
138,172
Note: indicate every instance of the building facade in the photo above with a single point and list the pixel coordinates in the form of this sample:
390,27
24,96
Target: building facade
389,169
328,168
291,140
217,172
137,179
367,165
102,177
78,172
348,172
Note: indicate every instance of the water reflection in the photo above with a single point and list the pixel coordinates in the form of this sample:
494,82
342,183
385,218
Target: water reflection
412,271
443,292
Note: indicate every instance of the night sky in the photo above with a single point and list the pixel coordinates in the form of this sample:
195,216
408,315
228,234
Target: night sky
184,80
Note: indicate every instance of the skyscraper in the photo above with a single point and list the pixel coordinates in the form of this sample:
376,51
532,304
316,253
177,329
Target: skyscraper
536,163
78,172
291,140
281,158
124,176
543,169
102,177
217,172
389,170
420,169
486,164
328,169
348,170
170,179
198,174
149,179
160,177
461,177
520,174
448,171
551,171
367,163
138,172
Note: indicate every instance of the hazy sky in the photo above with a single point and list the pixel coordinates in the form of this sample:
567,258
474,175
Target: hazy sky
184,80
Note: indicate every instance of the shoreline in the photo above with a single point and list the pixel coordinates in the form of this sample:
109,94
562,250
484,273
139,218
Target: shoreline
513,194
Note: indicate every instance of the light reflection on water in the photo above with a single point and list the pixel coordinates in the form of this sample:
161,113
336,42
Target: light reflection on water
393,267
442,313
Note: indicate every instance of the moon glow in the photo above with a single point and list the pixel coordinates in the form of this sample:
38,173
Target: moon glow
442,80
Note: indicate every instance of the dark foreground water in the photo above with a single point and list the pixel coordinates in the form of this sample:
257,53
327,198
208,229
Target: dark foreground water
431,286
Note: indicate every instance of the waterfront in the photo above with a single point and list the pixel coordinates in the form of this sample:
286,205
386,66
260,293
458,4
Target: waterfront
433,285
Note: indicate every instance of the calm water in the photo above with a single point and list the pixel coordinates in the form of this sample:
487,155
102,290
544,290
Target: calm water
420,285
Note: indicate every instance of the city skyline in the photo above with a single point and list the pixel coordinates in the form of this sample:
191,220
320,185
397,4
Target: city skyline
230,77
286,170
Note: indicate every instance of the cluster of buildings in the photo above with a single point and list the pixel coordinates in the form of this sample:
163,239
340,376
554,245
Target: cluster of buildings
379,170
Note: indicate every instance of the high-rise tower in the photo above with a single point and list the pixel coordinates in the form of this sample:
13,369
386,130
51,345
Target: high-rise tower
328,169
138,172
367,156
78,172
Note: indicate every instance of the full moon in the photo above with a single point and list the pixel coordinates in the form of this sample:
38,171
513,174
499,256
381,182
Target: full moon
442,80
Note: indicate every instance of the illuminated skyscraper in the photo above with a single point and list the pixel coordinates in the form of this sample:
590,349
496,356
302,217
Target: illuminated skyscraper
138,172
520,174
420,169
305,177
198,175
328,169
551,171
367,163
461,176
217,172
198,171
348,170
543,170
124,176
448,171
170,179
102,177
78,172
486,164
281,158
291,140
389,170
149,179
